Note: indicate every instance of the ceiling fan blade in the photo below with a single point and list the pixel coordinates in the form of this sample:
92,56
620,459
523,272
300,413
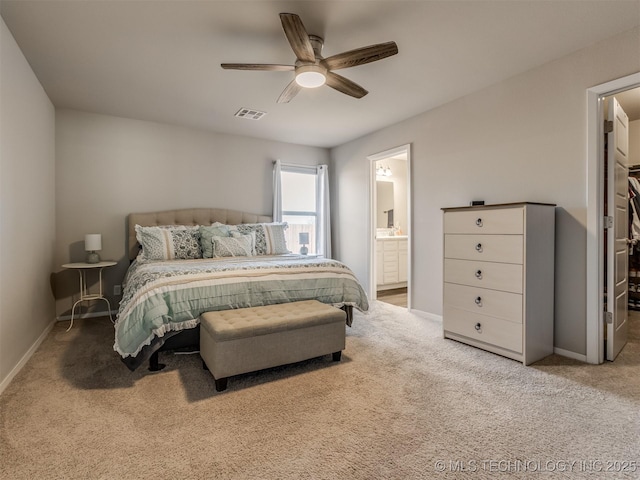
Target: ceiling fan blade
289,92
258,66
360,56
298,37
345,85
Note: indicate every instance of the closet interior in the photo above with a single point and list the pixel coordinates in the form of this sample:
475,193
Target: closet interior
634,238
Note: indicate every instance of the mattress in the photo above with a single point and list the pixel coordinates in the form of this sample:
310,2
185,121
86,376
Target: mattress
164,297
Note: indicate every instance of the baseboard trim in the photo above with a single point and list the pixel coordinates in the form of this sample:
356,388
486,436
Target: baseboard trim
430,316
25,358
569,354
105,313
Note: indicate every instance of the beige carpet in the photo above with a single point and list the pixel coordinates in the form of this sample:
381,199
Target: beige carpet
401,400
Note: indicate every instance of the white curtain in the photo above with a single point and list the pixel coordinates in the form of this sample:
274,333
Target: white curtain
277,191
323,240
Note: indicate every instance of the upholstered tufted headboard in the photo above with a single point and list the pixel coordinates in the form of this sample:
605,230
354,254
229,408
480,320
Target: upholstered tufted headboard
186,216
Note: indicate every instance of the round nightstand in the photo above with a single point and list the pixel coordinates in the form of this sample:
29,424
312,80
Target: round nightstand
85,295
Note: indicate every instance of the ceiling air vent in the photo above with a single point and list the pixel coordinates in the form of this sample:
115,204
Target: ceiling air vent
250,113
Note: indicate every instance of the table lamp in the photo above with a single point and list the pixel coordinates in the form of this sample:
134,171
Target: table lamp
92,243
303,239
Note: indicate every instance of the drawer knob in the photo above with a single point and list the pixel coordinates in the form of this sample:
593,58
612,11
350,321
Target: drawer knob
479,274
479,301
478,327
479,247
479,222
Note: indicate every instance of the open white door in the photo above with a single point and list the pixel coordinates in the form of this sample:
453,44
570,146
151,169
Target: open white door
617,234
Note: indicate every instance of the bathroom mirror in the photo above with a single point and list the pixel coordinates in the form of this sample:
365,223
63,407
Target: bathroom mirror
384,200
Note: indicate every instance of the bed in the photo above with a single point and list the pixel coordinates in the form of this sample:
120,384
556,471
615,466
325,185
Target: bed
164,297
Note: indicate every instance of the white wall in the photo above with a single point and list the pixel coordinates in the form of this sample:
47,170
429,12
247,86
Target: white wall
108,167
27,212
523,139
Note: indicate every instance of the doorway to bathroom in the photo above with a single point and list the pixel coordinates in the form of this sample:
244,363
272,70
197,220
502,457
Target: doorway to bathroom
390,232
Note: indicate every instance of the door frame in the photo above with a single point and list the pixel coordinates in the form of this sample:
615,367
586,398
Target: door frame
595,352
392,152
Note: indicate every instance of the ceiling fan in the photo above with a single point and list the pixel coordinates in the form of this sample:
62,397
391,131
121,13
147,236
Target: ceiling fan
311,69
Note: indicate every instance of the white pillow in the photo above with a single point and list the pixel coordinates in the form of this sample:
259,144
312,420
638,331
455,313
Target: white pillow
237,246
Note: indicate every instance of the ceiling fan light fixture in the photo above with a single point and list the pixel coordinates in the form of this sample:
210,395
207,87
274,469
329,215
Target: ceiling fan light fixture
311,69
311,76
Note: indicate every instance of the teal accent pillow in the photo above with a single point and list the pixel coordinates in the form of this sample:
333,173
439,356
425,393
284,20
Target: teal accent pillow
206,237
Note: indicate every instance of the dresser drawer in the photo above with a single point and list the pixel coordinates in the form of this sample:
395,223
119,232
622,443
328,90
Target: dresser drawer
483,301
483,328
497,276
486,248
507,221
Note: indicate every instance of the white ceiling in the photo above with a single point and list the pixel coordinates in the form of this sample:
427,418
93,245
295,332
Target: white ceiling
160,60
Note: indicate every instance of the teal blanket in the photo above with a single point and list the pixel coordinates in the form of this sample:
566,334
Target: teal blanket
166,296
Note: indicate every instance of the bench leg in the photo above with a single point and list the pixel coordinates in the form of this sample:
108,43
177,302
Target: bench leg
337,356
221,384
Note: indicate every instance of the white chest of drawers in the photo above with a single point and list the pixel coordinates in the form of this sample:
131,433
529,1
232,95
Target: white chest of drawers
499,278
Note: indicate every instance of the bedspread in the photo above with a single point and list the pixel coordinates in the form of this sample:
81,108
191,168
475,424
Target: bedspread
169,296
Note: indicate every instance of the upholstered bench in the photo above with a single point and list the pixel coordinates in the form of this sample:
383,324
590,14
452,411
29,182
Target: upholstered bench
249,339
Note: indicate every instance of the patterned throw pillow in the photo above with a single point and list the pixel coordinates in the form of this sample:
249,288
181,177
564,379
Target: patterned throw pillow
236,234
270,238
232,246
169,243
276,242
207,233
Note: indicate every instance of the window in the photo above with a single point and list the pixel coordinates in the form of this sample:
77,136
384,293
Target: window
301,200
299,209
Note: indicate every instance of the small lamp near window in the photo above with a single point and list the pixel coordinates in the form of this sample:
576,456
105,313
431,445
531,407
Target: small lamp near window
93,243
303,239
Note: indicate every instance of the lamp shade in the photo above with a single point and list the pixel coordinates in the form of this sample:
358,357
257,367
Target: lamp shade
303,238
93,242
